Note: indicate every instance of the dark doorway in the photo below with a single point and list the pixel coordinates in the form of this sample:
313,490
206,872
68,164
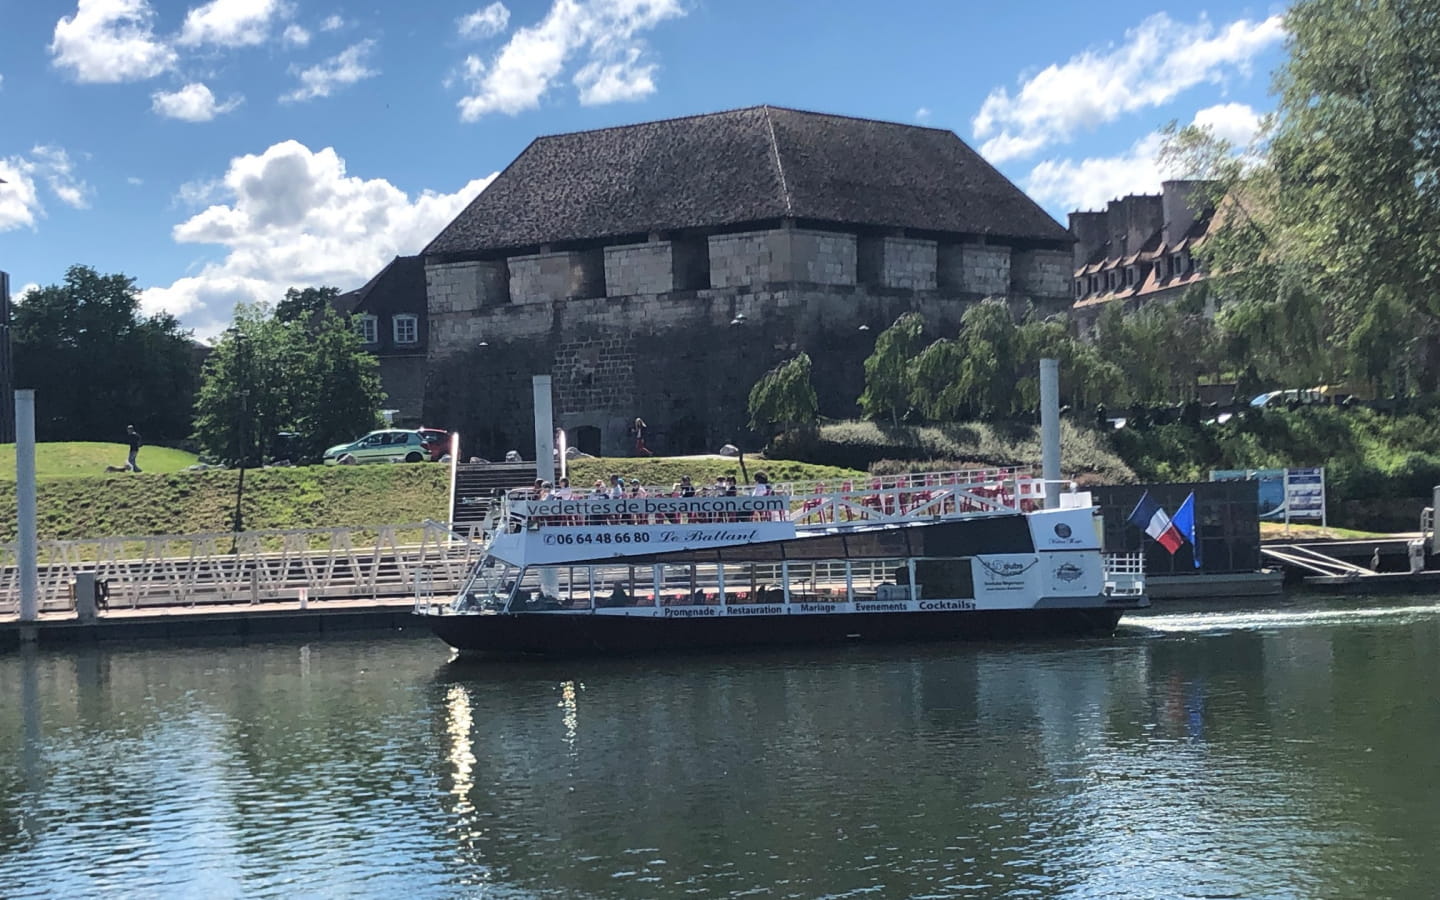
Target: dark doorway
586,439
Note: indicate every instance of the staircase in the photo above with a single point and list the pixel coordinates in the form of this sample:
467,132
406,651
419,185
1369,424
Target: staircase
478,485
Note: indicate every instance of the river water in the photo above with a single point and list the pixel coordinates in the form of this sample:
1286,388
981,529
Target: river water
1287,752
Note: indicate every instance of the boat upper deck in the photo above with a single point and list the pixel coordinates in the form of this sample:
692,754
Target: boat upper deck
807,506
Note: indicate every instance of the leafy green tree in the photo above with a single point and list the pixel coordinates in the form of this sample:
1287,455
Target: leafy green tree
887,370
936,390
306,305
785,396
98,364
268,375
1332,214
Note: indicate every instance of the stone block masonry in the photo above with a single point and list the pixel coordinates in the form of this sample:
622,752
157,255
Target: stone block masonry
552,276
1042,274
466,287
782,255
982,269
896,262
640,269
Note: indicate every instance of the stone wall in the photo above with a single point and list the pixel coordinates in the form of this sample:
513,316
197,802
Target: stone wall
982,269
782,255
550,276
404,380
895,262
673,359
640,269
1043,275
457,294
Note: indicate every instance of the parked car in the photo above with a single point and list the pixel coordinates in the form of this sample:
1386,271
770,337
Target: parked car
437,439
1285,398
386,445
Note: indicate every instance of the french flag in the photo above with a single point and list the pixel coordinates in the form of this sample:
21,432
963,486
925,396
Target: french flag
1152,519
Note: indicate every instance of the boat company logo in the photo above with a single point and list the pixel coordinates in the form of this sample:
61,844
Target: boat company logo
1068,572
1007,568
1062,530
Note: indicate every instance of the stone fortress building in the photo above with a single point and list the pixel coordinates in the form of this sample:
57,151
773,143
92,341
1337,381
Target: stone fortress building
658,270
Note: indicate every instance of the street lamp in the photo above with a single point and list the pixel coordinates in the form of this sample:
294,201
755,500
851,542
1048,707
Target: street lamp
242,379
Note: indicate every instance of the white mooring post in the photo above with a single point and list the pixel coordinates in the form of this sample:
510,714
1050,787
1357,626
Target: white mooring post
544,429
1050,430
25,503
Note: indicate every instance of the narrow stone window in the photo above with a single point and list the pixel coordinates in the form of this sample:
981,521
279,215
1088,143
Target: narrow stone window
406,330
368,329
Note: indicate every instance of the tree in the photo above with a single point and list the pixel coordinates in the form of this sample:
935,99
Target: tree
306,305
98,364
784,396
1333,213
887,370
268,375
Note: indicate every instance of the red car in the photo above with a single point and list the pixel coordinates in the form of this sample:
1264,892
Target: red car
437,440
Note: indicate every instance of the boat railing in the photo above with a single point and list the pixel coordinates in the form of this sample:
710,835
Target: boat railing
1125,574
852,502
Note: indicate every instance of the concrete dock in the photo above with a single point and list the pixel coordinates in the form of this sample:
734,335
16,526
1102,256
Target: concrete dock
239,620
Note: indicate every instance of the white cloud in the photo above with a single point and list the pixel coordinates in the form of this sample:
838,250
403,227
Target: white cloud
20,204
605,33
231,23
332,23
1091,183
922,114
295,36
294,217
19,201
615,81
1159,59
135,180
322,80
192,103
54,164
109,41
483,23
19,294
1233,122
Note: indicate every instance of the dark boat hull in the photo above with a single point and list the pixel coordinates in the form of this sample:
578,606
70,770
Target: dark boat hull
538,633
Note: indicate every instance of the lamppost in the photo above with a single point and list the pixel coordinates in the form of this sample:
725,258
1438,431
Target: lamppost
242,378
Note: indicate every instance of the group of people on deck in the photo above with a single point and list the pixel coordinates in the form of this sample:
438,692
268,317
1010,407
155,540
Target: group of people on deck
621,488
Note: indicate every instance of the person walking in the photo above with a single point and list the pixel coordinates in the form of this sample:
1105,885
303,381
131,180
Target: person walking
134,437
639,430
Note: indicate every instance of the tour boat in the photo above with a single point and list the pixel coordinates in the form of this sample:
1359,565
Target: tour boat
951,555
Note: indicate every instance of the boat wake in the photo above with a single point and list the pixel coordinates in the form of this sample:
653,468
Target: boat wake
1268,619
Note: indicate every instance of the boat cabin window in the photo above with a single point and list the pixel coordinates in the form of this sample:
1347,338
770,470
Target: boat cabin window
817,582
689,585
489,587
950,579
880,579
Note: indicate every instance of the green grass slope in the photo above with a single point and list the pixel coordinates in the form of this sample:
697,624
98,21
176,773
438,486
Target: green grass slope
79,458
130,505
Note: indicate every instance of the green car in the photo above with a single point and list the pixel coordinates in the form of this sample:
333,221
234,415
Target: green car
390,445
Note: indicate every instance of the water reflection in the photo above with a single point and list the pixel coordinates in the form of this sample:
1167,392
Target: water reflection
1281,753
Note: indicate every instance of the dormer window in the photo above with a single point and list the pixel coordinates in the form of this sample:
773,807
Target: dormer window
368,329
1079,288
1132,276
406,331
1178,263
1113,279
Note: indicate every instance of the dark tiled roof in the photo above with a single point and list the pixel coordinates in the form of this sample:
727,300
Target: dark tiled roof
399,285
746,165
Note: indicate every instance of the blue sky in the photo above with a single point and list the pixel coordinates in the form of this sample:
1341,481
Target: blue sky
221,151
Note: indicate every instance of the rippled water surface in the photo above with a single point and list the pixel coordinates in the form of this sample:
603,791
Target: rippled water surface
1286,752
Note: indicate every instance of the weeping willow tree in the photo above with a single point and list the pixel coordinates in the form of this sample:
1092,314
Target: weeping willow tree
785,397
888,387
